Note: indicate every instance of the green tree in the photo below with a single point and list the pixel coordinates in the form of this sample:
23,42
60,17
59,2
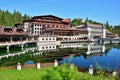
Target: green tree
77,21
10,19
116,30
26,17
109,27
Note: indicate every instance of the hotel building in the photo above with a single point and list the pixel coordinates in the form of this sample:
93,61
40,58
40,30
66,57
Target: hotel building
37,24
94,30
52,25
59,27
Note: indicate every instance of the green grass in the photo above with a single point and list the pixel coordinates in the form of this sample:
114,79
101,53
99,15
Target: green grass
62,72
24,74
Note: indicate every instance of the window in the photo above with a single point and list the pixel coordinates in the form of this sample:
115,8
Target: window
41,32
43,25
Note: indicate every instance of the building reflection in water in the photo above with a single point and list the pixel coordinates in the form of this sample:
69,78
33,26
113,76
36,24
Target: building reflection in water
51,52
86,49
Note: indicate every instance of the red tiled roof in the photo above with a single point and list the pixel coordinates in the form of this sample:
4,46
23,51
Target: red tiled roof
66,20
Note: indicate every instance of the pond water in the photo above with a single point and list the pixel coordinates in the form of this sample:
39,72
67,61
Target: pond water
105,57
109,60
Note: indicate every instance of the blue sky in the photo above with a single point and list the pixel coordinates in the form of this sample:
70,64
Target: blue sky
98,10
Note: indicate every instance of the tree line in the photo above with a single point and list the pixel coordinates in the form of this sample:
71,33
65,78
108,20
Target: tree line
10,19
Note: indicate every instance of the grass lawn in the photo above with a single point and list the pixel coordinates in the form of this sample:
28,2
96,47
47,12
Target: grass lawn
62,72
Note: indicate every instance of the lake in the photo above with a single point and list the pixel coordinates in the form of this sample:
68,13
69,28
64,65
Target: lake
106,57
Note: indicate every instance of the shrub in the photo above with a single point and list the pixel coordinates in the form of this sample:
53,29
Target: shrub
51,75
62,72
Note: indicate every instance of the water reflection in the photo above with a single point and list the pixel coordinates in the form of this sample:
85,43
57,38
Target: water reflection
104,56
84,54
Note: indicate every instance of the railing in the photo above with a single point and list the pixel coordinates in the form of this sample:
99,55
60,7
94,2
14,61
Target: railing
49,42
73,40
80,36
16,42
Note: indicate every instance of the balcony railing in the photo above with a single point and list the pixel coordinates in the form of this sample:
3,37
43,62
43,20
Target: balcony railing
16,42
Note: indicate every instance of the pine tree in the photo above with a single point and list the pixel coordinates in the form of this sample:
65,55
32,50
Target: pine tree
10,19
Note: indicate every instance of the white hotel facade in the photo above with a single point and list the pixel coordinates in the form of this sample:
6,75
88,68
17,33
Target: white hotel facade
59,27
94,30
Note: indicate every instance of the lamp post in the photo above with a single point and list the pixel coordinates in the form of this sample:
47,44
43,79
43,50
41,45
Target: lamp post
18,66
55,63
91,69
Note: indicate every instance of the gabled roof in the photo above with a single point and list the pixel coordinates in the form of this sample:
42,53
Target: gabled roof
94,25
87,24
47,16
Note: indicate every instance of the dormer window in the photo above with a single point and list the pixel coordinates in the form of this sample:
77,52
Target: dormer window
19,30
8,30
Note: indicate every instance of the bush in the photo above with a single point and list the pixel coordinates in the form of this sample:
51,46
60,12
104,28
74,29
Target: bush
51,75
62,72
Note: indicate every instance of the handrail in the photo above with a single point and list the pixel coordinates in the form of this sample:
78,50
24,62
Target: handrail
17,42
